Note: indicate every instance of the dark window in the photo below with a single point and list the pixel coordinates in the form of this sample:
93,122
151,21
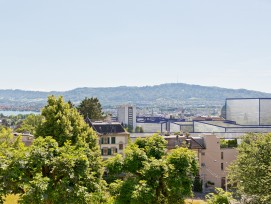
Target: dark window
102,140
109,152
102,151
120,146
105,140
222,166
222,155
105,151
113,140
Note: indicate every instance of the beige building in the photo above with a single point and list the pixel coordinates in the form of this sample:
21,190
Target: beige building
214,156
112,138
214,160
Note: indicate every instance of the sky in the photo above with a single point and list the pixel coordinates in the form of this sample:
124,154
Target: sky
66,44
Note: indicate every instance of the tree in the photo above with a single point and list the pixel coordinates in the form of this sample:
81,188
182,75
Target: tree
65,123
30,124
63,164
91,107
152,175
250,172
220,197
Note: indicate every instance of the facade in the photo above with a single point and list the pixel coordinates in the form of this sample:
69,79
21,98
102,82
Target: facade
214,160
112,137
249,111
127,115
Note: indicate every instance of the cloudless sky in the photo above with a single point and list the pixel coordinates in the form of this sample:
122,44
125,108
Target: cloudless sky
65,44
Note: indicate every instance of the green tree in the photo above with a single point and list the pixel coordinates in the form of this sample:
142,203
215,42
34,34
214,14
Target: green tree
152,175
62,165
250,172
220,197
91,107
30,124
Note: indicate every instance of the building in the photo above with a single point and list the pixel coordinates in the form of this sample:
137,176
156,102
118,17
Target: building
112,137
214,160
214,155
127,115
27,138
249,111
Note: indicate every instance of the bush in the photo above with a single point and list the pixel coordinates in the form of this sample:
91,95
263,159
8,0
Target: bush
220,197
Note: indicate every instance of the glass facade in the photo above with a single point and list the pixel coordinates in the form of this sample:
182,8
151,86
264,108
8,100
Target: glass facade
265,111
243,111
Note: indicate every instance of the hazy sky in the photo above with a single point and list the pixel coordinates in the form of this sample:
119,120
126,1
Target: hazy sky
61,45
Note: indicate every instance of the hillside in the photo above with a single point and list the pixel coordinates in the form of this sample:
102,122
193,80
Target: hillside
170,95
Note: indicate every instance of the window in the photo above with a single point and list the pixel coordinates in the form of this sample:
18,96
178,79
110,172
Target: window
114,150
202,164
104,151
222,155
121,146
222,166
109,152
113,140
105,140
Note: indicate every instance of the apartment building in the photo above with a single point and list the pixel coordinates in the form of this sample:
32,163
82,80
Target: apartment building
214,155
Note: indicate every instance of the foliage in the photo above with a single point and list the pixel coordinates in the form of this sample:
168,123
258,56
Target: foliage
232,143
65,123
30,124
139,129
65,166
152,175
91,108
250,172
220,197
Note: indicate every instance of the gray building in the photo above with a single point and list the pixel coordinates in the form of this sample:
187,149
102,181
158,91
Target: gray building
127,115
249,111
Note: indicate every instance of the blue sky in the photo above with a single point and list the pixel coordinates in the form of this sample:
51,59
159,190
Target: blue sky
61,45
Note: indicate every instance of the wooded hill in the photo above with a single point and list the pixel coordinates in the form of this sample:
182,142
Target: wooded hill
170,95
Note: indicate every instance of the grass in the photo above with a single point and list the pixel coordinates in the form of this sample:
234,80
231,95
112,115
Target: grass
192,201
12,199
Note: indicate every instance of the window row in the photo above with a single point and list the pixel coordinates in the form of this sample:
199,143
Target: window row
108,140
109,151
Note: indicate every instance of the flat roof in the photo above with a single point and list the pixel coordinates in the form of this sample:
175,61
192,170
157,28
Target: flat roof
224,124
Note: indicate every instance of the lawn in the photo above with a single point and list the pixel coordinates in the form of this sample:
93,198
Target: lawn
192,201
12,199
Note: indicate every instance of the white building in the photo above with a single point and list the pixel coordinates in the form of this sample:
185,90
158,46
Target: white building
127,115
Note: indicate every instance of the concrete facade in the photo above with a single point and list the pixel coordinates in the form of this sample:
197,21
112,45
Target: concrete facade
127,115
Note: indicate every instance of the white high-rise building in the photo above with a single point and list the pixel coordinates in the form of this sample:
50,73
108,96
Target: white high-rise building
127,115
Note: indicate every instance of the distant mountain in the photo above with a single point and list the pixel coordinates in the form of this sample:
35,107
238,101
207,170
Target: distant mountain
170,95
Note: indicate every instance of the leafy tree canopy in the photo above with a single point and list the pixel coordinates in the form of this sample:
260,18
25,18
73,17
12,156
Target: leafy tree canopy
152,175
63,164
91,107
30,124
250,172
